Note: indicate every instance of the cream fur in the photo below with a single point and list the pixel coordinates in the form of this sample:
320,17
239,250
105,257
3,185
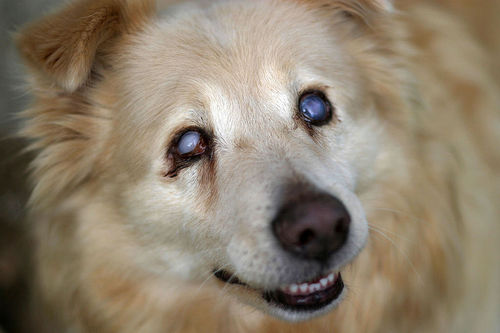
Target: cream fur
412,154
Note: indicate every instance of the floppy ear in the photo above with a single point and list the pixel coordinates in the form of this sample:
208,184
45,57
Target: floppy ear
62,46
366,10
66,124
386,5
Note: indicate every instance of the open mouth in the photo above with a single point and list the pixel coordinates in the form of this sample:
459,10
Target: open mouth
306,296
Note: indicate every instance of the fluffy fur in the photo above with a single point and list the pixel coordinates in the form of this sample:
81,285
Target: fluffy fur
123,248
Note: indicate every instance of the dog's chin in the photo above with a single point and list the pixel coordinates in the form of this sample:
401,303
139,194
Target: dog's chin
295,302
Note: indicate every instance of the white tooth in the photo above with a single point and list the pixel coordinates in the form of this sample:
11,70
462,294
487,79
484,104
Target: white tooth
294,288
303,287
324,282
314,287
331,277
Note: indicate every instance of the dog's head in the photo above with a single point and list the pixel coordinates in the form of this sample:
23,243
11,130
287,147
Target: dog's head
232,137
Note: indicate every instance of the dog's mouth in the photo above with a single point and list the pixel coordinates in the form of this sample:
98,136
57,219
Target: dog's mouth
305,296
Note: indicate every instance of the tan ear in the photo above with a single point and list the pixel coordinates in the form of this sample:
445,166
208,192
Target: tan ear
366,10
63,46
386,5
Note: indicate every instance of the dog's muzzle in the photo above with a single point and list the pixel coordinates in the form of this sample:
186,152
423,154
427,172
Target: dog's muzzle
312,227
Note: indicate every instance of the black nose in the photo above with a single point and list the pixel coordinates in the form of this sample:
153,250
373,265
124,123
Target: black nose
313,228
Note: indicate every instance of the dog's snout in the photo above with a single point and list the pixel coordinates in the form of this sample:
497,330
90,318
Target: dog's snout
313,228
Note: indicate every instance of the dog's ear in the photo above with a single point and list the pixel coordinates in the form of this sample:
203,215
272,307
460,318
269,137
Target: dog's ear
386,5
62,46
67,125
365,10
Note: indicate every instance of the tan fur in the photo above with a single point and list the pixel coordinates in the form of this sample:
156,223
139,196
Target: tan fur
123,249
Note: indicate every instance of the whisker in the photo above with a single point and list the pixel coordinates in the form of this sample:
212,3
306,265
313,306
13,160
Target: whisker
419,278
378,228
227,284
210,275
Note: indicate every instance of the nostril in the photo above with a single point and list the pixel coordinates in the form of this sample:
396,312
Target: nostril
306,237
342,226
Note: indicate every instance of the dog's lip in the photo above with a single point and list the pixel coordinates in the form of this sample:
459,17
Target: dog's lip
227,277
305,296
307,300
306,288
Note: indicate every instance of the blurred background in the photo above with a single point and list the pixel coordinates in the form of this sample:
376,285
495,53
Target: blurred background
14,244
13,14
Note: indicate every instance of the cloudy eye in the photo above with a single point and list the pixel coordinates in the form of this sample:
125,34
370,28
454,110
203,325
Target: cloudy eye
315,108
191,144
186,149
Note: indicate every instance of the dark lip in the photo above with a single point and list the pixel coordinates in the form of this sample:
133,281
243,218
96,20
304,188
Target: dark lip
227,277
311,302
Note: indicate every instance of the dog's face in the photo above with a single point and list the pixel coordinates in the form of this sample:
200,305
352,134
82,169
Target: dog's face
254,130
241,133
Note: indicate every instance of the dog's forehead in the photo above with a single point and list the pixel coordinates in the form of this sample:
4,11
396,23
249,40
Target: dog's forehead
236,60
234,111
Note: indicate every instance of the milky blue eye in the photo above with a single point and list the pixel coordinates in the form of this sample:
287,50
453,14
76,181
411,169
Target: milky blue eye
191,144
315,108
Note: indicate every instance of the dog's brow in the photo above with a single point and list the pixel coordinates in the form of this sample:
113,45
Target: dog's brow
199,116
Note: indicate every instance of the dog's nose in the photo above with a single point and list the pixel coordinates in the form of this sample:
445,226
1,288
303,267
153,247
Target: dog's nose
313,228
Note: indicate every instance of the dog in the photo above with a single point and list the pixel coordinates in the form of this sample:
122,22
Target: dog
262,166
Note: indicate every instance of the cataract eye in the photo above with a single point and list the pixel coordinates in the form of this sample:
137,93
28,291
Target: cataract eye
188,147
191,144
315,108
